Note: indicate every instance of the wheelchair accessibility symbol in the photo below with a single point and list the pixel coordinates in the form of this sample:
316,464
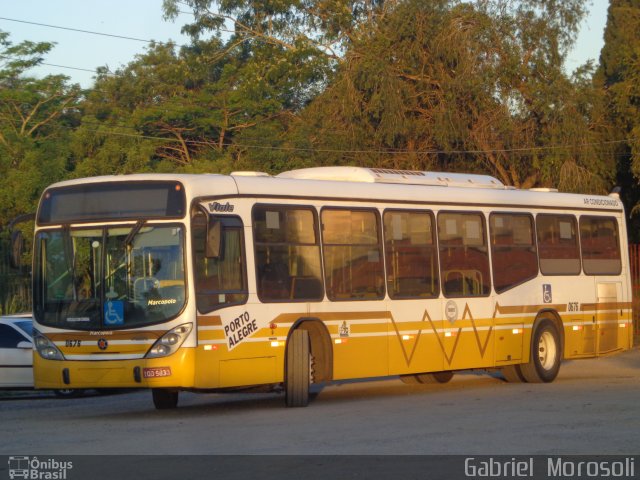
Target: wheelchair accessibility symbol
546,293
113,313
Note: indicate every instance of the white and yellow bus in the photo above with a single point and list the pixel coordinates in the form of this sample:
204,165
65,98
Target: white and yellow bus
214,282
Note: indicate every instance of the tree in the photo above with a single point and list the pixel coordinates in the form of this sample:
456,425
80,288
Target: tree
278,55
36,116
619,76
185,110
454,86
316,32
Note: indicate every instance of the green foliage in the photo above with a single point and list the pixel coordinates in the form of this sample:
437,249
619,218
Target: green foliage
183,111
37,116
453,86
278,84
619,76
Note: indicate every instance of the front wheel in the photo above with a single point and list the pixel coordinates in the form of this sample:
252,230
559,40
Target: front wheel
164,398
298,370
546,354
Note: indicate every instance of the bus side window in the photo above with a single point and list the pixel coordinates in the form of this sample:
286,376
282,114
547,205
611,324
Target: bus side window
558,247
353,262
411,256
600,245
306,287
274,280
287,253
513,250
464,257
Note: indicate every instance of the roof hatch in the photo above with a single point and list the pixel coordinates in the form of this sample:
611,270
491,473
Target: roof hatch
385,175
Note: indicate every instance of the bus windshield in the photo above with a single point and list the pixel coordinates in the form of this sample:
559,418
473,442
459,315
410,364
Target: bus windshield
109,278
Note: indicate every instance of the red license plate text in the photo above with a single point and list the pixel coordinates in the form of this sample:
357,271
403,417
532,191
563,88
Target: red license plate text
156,372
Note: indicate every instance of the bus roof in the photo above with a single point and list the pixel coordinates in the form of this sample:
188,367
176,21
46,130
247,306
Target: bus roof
371,185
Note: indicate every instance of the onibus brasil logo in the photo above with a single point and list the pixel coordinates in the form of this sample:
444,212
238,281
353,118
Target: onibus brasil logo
38,469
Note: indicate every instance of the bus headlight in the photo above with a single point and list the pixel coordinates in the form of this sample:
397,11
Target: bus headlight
46,348
170,341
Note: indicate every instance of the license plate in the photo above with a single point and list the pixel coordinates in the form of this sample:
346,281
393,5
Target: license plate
156,372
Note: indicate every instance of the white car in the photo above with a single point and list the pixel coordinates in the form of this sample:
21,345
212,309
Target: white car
16,351
16,354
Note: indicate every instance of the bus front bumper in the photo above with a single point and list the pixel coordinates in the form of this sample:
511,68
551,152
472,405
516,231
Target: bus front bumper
176,370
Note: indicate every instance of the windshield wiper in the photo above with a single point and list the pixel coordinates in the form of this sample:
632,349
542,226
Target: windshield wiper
134,231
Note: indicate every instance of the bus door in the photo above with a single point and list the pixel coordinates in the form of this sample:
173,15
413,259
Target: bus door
607,310
586,343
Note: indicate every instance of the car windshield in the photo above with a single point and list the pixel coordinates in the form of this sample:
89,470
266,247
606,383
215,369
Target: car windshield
104,278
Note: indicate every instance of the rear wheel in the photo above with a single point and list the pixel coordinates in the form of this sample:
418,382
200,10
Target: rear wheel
425,378
409,379
298,369
164,398
435,377
546,354
511,374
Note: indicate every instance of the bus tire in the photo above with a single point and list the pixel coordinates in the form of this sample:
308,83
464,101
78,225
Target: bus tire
164,398
435,377
409,379
69,393
297,369
511,373
546,353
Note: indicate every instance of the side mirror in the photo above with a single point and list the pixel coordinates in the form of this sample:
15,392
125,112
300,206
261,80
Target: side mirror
17,245
213,248
25,345
17,239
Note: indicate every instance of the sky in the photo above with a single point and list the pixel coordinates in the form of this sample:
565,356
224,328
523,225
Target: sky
142,19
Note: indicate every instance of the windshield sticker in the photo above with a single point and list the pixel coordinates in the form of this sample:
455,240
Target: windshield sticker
78,319
113,313
239,329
